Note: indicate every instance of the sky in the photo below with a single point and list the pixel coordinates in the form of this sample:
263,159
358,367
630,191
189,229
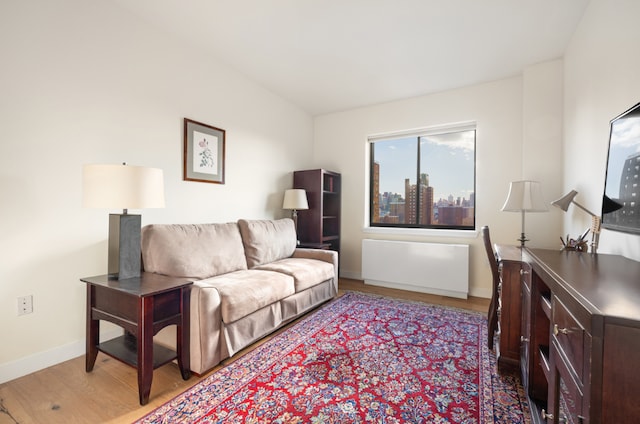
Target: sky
447,158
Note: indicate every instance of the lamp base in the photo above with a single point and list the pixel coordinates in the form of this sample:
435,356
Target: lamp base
522,239
124,246
294,216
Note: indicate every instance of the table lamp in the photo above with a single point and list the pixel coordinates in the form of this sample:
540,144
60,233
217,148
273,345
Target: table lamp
123,187
296,200
524,196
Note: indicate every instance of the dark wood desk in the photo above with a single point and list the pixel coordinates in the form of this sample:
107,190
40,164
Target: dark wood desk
142,306
581,336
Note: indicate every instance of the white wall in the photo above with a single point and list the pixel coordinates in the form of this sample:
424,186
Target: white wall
519,122
601,81
542,146
497,108
86,82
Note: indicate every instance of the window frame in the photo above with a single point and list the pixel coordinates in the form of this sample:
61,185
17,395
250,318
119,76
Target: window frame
447,230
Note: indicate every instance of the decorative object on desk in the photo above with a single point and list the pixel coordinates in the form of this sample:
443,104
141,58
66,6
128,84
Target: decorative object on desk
123,187
608,206
524,196
204,148
580,244
296,200
622,182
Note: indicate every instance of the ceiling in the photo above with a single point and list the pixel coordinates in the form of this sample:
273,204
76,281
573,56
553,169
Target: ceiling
333,55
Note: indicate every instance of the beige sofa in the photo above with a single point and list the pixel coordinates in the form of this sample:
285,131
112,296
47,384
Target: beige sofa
249,279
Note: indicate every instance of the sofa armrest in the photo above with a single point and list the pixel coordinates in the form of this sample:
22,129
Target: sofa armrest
207,346
330,256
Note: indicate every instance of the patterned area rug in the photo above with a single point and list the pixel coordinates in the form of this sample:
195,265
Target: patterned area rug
361,358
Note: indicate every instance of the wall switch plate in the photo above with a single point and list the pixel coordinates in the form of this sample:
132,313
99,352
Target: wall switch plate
25,305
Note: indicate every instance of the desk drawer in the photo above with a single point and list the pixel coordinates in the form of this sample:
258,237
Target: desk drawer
566,397
569,335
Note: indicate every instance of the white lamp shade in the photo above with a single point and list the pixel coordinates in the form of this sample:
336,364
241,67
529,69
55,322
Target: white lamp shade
122,187
525,196
295,199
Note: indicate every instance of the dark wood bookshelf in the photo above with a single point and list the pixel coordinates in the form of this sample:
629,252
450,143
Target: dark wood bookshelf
321,222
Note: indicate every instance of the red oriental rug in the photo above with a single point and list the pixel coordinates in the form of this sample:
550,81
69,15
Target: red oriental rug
358,359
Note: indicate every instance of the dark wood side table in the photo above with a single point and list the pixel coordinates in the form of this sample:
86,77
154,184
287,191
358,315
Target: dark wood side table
142,306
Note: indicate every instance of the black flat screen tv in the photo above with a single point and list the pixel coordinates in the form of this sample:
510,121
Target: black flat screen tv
622,181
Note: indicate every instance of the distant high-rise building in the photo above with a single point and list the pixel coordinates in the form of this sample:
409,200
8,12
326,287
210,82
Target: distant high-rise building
391,219
396,212
375,193
450,215
392,208
629,215
424,195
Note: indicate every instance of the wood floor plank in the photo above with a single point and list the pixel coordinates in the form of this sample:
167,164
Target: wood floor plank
477,304
65,393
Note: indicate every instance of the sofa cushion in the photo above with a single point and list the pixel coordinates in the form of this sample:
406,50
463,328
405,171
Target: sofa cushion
267,240
305,272
244,292
192,250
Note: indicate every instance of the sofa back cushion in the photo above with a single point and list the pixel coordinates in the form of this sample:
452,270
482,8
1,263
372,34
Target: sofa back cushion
192,250
266,241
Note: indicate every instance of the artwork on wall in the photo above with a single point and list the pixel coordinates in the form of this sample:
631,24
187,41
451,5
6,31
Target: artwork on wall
622,183
204,148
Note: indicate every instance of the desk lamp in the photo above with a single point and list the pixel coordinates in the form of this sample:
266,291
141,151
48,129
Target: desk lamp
608,205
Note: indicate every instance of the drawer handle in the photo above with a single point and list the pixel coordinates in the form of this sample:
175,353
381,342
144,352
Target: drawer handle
546,416
557,330
523,272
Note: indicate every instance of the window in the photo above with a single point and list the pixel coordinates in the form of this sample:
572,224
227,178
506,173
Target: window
424,179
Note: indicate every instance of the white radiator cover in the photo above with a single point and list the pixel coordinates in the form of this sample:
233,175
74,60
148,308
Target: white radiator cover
434,268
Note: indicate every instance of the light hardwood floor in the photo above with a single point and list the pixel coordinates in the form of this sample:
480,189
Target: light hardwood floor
65,393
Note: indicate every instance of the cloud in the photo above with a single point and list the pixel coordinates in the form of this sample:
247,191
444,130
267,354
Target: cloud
626,133
463,140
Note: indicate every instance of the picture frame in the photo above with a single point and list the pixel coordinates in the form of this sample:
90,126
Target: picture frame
204,152
622,180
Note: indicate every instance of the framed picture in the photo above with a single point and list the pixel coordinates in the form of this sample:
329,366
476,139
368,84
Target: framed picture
203,152
622,182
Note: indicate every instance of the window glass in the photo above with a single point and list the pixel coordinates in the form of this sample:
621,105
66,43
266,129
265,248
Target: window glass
424,180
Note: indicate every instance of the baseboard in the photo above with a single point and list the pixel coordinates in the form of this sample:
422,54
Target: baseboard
480,292
38,361
351,275
419,289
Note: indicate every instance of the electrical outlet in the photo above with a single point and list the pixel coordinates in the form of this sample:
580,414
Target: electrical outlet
25,305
